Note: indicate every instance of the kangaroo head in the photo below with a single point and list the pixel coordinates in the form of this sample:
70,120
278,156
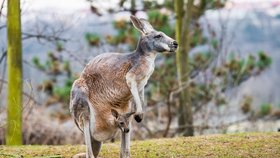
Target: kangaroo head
152,40
122,120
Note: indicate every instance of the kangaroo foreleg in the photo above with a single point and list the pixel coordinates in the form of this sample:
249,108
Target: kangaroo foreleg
132,103
142,95
132,84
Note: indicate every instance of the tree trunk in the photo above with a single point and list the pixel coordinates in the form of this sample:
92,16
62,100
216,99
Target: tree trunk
14,56
183,21
133,7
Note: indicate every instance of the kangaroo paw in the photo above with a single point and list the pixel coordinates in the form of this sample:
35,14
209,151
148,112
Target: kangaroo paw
138,117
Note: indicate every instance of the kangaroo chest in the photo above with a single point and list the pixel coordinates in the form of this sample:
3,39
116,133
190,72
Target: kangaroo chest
143,79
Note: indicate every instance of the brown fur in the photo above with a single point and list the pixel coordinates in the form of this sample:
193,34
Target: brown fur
105,74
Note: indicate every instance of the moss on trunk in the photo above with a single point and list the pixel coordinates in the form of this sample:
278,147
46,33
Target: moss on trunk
183,21
14,56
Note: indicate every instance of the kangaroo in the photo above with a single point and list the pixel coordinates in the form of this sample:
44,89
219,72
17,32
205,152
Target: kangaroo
116,81
122,120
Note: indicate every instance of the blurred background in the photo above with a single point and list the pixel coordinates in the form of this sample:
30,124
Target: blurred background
232,65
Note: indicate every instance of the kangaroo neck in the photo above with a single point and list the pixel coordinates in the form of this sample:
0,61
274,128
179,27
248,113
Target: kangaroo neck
143,51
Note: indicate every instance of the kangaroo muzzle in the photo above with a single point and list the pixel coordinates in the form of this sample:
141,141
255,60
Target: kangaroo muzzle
173,46
126,130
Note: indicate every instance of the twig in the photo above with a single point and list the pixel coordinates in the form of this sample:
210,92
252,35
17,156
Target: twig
32,66
147,129
3,26
169,118
1,8
10,155
178,90
54,156
76,58
198,107
4,54
24,93
3,74
28,102
45,37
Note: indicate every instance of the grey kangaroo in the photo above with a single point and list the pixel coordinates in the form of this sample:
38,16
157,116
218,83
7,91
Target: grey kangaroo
116,81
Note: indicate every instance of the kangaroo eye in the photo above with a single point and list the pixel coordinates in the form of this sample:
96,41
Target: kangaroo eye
122,123
158,36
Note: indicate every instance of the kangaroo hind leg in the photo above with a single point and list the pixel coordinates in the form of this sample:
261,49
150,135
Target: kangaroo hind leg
93,146
87,135
83,117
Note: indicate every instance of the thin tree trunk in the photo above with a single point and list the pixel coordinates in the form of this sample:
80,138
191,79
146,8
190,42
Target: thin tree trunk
182,35
14,57
133,7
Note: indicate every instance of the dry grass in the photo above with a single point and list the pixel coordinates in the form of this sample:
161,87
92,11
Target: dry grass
40,128
233,145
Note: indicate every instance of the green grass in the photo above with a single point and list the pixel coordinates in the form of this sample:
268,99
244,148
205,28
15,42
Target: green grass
232,145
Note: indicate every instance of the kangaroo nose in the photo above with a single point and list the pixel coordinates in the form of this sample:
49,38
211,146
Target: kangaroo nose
126,130
175,44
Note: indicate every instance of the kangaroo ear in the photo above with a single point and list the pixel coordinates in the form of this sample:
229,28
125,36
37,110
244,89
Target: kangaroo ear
129,114
114,113
141,25
147,26
137,24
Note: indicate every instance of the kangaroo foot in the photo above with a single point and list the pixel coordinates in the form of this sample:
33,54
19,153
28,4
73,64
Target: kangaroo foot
138,117
125,154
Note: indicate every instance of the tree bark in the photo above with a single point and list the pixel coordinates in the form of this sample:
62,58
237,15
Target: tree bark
14,58
183,21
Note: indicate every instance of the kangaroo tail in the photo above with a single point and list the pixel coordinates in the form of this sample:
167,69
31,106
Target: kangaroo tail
79,106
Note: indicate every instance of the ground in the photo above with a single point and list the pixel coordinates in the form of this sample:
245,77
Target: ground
232,145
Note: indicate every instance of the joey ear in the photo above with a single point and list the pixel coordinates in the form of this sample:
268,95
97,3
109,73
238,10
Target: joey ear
129,114
114,113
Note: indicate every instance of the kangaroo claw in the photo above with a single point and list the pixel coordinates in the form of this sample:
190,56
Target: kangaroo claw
138,117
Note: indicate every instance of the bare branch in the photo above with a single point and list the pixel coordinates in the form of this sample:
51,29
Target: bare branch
169,118
76,58
24,93
49,38
147,129
3,26
27,63
4,54
183,86
3,74
1,8
29,106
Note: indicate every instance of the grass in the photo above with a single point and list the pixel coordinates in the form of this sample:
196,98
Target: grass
232,145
